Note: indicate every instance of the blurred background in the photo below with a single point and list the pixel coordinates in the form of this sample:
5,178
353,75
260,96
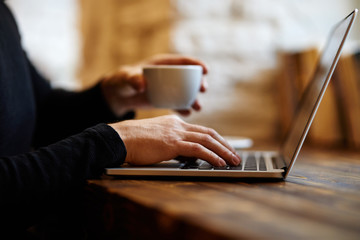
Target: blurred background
244,43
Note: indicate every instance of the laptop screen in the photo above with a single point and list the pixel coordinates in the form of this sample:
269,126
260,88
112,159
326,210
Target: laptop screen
315,90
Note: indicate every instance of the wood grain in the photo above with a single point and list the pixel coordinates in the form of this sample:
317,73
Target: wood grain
320,199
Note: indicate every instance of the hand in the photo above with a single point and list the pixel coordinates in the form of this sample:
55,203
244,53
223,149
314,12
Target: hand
153,140
125,89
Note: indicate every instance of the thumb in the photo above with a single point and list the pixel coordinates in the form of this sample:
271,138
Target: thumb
137,82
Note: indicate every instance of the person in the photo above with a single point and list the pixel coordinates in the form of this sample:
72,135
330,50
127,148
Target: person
52,140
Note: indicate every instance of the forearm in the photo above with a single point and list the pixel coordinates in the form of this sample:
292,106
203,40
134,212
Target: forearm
65,113
32,181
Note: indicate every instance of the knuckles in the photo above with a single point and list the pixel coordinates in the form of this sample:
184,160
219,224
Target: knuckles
212,132
206,138
195,148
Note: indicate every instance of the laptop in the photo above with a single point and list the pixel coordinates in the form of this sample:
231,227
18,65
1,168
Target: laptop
264,164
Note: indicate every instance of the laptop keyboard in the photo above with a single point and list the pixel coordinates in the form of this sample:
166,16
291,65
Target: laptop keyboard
250,162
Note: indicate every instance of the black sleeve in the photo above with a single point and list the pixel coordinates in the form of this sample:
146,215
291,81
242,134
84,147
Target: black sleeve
31,183
62,113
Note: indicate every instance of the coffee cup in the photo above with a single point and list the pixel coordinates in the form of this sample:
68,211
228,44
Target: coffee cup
172,86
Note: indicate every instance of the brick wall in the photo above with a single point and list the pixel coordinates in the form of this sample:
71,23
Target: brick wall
240,41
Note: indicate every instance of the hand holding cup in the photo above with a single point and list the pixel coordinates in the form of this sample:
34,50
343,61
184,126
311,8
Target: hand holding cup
126,89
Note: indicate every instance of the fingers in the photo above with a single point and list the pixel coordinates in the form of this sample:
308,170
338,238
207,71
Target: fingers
172,59
196,105
190,149
207,144
213,134
184,113
209,131
126,75
166,137
135,78
137,82
204,85
214,146
190,61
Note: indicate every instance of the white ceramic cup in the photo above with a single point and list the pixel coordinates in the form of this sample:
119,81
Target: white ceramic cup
173,86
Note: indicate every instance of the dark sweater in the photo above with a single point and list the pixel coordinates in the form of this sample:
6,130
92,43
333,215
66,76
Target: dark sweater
45,152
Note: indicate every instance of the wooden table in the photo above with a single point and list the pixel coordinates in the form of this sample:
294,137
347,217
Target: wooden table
319,200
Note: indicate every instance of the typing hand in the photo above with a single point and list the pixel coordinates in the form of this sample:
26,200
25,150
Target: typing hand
150,141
